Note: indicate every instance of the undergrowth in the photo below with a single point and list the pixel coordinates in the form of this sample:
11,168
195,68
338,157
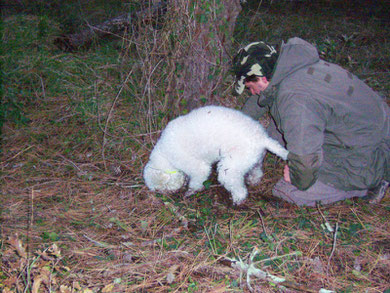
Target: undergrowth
76,216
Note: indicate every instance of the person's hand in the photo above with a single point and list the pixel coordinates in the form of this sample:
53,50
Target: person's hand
286,174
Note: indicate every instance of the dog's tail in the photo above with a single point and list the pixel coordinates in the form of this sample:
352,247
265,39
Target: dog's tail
275,147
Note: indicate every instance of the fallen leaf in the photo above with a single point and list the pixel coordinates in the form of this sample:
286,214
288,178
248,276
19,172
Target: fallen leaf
17,244
171,274
65,289
76,285
108,288
36,284
53,250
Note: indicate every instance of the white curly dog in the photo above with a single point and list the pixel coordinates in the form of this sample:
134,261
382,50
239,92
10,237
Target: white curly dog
191,143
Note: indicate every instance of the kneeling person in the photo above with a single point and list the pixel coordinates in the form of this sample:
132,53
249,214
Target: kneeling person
336,128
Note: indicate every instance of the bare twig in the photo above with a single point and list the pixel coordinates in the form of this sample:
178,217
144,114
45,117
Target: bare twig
357,217
262,223
333,246
109,117
19,153
326,223
98,243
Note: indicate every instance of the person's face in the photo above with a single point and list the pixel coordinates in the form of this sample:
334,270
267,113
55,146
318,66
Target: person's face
256,87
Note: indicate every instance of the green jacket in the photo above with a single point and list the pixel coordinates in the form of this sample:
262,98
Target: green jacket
336,128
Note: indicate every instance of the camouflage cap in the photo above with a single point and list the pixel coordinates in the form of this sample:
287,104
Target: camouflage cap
257,58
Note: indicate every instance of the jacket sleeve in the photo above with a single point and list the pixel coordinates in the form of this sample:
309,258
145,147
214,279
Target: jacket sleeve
303,124
303,169
252,108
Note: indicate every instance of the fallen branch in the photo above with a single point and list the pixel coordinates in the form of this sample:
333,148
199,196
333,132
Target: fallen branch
112,27
250,270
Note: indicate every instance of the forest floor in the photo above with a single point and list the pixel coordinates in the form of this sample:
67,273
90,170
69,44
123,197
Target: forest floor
76,216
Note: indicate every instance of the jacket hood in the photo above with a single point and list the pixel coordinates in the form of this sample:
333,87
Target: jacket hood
294,55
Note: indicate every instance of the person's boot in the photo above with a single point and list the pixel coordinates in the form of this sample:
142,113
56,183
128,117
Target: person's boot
376,194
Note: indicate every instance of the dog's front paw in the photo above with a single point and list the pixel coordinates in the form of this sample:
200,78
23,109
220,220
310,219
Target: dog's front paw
189,193
241,205
239,202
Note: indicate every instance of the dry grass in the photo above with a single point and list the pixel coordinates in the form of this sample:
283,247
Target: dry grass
76,216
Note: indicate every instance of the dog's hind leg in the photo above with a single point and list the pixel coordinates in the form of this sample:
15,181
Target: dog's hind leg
232,179
256,173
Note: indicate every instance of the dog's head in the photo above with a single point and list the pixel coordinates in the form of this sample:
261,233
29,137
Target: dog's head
163,180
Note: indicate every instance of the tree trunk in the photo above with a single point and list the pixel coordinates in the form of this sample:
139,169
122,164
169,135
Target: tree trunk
208,27
185,61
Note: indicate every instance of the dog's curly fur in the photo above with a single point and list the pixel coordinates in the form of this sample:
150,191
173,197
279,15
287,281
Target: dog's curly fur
191,143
